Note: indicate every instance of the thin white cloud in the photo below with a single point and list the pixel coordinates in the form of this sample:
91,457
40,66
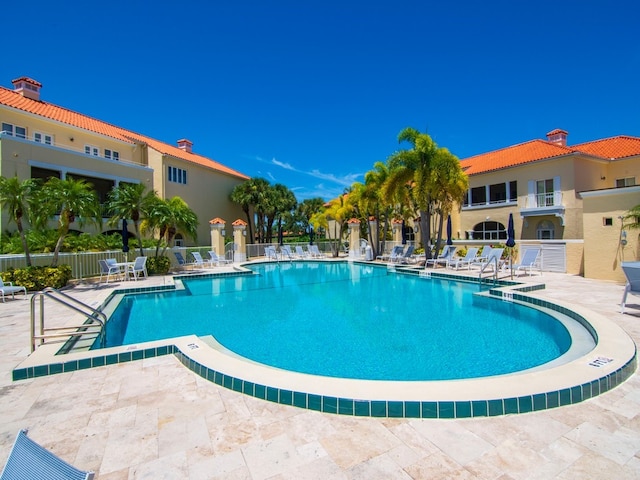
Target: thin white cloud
286,166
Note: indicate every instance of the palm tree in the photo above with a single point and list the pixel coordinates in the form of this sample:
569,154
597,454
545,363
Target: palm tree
281,200
168,217
631,219
70,200
252,194
413,167
306,210
339,211
14,197
130,201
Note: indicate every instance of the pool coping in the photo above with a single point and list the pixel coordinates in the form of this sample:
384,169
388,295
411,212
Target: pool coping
612,361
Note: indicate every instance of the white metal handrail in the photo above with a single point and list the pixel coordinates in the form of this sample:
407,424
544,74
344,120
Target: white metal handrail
68,330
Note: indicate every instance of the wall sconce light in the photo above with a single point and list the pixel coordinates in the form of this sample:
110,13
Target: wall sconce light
602,177
223,233
71,139
244,233
623,238
416,228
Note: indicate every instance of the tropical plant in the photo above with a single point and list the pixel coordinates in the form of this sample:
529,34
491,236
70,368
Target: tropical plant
249,195
14,197
280,202
71,200
130,201
334,219
305,210
631,219
165,218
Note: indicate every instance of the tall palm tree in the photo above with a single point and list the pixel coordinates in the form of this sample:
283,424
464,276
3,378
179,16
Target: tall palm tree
281,200
130,201
414,168
306,210
71,200
14,197
182,219
252,195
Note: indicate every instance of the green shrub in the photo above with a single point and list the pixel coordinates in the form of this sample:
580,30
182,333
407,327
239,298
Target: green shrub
38,278
158,265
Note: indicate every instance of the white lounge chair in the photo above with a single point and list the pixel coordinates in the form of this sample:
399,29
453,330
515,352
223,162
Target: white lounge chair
201,262
470,256
270,253
285,252
218,260
396,251
301,253
494,259
529,261
30,461
138,269
10,289
444,258
315,252
632,273
407,256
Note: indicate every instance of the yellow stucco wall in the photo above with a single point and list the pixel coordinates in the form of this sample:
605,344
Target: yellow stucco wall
603,250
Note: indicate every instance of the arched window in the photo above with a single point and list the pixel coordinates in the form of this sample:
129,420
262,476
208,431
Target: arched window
409,234
545,230
178,240
489,231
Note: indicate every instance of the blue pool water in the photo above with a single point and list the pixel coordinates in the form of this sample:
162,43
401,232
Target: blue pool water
348,320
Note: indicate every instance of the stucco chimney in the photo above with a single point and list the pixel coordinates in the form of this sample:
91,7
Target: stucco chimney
558,137
27,87
184,144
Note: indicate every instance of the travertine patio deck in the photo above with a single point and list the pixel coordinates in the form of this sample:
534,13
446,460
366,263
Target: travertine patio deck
156,419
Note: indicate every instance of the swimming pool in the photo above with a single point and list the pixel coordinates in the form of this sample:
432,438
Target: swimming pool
349,321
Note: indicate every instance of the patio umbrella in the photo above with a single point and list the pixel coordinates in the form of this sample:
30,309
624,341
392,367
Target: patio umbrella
280,241
310,235
511,241
125,236
404,234
449,239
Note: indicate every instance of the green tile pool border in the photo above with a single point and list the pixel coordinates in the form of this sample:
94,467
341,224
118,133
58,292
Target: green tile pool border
359,407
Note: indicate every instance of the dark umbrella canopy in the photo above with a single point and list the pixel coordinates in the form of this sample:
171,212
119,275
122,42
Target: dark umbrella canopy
125,236
449,239
404,234
280,236
511,233
310,235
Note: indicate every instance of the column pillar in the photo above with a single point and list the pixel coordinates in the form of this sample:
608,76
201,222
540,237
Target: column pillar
217,235
396,228
240,240
354,238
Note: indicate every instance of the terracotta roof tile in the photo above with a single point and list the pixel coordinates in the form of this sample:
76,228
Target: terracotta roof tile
515,155
612,148
53,112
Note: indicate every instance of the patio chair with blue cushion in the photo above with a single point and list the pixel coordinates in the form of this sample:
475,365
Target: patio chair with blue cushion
407,256
392,256
30,461
108,270
182,263
632,273
494,259
199,261
300,252
10,289
529,261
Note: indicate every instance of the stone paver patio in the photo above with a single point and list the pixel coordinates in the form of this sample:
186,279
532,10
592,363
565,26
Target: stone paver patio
156,419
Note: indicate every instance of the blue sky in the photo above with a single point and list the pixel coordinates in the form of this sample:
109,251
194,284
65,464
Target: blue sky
312,93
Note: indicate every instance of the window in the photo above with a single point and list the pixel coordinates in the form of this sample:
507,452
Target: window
544,193
545,230
91,150
607,221
478,196
14,130
489,231
177,175
498,193
178,240
513,191
43,138
111,154
625,182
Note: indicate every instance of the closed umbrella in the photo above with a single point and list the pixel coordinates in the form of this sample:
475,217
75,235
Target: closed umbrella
310,235
404,234
449,239
125,236
280,237
511,241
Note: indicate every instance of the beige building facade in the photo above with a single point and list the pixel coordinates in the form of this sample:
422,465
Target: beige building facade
40,140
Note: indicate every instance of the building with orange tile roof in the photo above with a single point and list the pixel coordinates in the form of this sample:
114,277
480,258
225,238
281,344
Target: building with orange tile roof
570,198
39,140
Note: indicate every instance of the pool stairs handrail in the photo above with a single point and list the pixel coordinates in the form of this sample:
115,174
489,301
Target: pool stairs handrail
98,318
492,258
